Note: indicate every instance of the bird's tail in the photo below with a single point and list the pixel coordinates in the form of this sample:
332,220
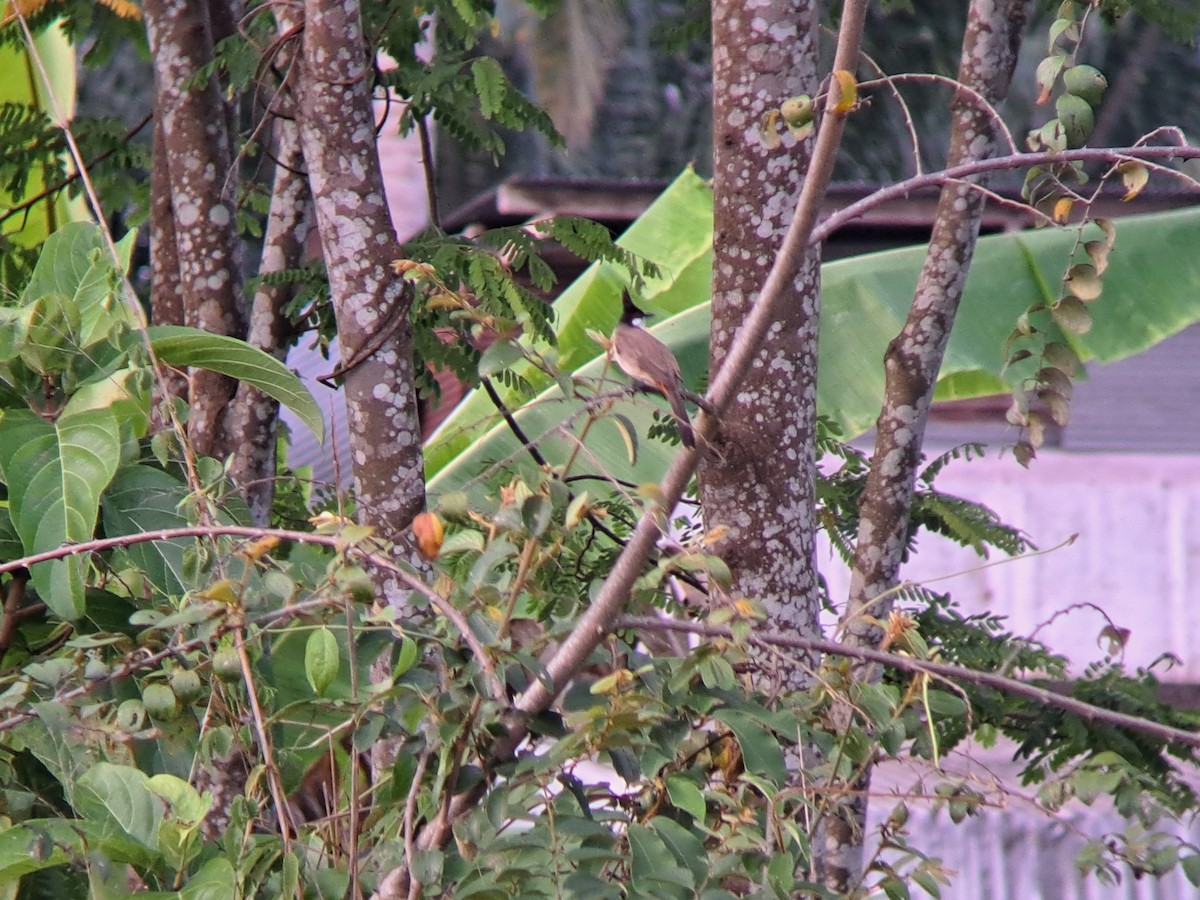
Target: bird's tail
675,398
699,401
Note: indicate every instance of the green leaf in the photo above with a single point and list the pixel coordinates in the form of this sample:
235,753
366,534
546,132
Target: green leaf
686,846
124,391
321,659
406,658
185,803
216,880
1084,282
685,795
56,473
40,844
489,85
76,264
143,499
427,866
1191,869
179,346
499,356
120,797
894,888
654,871
927,883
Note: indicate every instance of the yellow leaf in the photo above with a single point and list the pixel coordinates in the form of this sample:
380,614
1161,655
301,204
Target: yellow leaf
843,91
21,8
768,131
123,8
328,522
715,534
1134,176
224,591
256,550
429,533
1062,210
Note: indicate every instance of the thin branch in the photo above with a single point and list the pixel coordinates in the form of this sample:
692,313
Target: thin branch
283,810
848,214
74,176
431,192
14,597
149,661
334,542
981,102
1011,686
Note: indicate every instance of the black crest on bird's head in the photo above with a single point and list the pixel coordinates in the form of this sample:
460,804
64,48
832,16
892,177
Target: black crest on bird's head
629,310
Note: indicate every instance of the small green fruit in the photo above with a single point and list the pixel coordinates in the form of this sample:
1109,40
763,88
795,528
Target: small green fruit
1077,119
187,685
227,666
1086,82
798,111
131,715
160,702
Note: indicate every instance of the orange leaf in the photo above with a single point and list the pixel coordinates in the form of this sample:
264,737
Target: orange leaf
428,530
843,91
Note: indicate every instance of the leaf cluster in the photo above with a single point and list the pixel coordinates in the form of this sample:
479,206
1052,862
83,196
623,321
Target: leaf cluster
467,92
965,522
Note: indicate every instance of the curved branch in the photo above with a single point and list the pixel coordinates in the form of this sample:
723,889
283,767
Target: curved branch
410,581
1112,156
1012,686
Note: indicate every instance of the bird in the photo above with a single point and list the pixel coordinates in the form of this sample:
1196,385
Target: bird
652,366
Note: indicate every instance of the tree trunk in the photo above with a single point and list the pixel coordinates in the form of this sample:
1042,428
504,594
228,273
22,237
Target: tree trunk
166,289
198,156
337,135
758,481
912,362
253,417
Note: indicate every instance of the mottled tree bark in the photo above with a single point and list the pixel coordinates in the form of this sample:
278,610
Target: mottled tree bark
166,292
253,417
912,362
198,155
759,480
337,135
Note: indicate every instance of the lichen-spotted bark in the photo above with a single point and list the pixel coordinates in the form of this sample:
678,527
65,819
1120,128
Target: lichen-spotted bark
166,289
914,358
990,45
759,480
195,143
253,417
337,135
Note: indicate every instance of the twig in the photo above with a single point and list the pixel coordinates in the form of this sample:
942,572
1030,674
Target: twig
431,192
12,605
410,813
848,214
287,828
977,98
444,607
67,181
132,667
1012,686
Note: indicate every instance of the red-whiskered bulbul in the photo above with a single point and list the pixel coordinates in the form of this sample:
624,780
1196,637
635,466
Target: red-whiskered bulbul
651,364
